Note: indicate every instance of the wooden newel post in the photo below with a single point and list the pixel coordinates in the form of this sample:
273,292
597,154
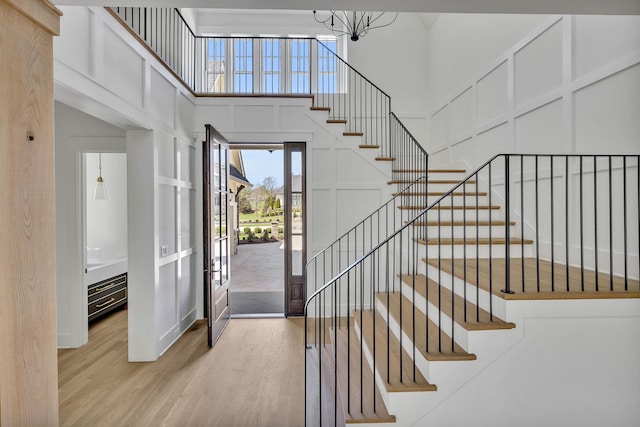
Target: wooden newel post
28,349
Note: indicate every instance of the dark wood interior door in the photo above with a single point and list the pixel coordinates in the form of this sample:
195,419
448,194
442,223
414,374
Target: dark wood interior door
216,196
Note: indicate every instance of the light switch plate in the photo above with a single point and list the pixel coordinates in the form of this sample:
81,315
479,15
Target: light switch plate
164,250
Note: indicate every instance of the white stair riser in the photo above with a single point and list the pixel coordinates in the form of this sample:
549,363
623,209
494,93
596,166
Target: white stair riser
460,334
498,305
484,251
464,214
497,231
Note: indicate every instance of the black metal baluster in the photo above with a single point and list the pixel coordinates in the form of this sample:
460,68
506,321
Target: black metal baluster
537,228
521,221
610,226
566,219
507,240
551,217
624,220
595,215
581,227
490,248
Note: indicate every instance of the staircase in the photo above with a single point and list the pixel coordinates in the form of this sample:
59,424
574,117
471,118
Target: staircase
396,335
506,295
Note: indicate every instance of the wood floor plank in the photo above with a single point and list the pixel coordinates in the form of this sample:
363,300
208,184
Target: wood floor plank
543,269
253,376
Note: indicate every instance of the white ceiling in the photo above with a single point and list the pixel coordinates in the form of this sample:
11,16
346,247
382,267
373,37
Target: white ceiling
577,7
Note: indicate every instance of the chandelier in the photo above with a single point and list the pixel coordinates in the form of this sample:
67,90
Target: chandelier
355,24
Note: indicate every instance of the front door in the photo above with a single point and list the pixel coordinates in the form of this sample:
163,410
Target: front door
216,240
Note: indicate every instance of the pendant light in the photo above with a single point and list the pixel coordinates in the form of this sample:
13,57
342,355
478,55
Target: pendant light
100,193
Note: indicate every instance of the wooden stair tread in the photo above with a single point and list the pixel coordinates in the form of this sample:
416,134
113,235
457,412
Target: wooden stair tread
431,181
531,282
468,223
476,319
446,207
394,383
352,133
432,343
369,146
429,171
346,338
473,241
337,121
385,159
442,193
320,109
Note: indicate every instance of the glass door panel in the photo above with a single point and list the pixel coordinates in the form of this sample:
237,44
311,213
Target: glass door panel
295,234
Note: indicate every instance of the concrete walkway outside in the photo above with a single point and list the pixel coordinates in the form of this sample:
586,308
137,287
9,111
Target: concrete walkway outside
257,279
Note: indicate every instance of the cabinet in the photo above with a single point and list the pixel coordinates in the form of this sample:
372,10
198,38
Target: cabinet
106,296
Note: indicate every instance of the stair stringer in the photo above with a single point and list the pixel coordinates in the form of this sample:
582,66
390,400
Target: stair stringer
448,376
541,327
563,365
352,142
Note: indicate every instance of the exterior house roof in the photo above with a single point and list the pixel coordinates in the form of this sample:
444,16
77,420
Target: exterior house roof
237,176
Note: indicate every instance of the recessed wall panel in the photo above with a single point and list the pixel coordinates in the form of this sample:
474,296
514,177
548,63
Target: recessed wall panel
255,117
492,98
599,40
166,315
187,293
607,113
462,114
293,117
439,128
353,169
322,166
492,142
162,98
187,162
355,204
540,131
166,218
538,66
73,46
123,68
187,215
322,225
166,155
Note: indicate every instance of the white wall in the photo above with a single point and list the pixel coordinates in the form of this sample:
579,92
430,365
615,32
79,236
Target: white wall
76,133
569,86
565,84
566,363
100,69
395,58
106,220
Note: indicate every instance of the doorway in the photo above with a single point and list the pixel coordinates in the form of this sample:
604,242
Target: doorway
105,237
257,261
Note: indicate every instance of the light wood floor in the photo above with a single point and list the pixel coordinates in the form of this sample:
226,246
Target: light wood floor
254,376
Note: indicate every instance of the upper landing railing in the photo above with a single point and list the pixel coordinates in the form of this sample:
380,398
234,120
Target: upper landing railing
273,66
